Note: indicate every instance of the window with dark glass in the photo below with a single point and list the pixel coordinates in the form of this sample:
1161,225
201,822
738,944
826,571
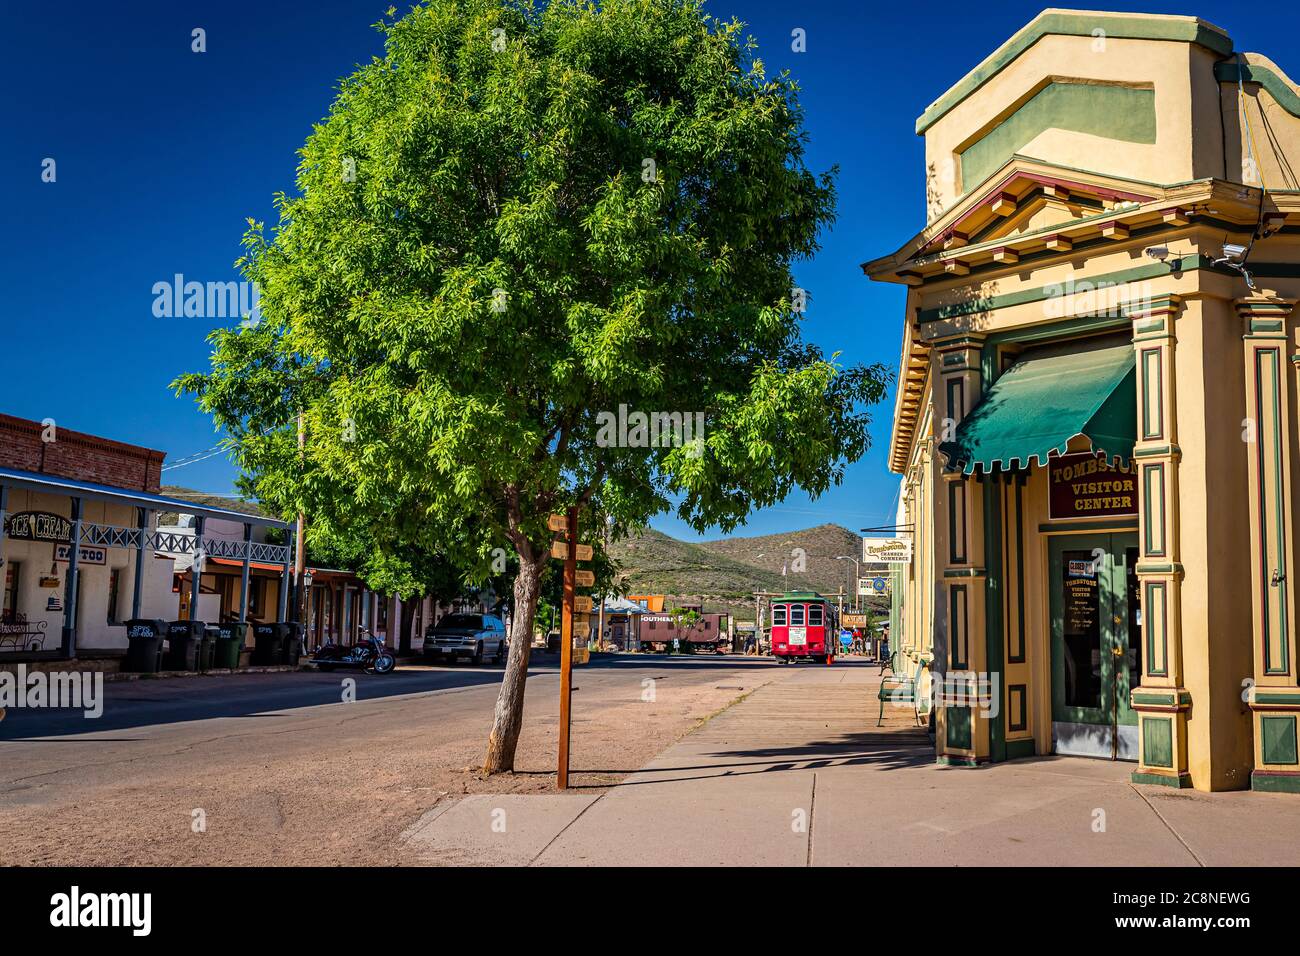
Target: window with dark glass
796,614
10,607
114,594
1081,629
778,615
814,615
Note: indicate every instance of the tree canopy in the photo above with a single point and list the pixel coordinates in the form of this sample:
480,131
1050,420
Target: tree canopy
518,222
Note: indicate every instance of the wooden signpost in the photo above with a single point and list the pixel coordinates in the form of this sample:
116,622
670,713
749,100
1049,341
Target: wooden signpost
570,552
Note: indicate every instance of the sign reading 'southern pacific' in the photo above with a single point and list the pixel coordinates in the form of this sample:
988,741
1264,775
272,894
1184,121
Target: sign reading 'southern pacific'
1086,487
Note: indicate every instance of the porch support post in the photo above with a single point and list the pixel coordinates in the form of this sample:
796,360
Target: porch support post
966,618
285,579
196,568
137,586
70,585
244,575
1162,700
1275,696
4,517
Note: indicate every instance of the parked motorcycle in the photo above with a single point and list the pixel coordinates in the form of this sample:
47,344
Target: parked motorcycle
368,655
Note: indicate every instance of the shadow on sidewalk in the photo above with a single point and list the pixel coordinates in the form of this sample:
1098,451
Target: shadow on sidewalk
883,751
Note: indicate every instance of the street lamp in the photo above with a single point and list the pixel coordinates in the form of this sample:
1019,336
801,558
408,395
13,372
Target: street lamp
857,598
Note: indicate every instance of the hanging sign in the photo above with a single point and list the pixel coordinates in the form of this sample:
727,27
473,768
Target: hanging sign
1083,486
85,555
887,550
38,526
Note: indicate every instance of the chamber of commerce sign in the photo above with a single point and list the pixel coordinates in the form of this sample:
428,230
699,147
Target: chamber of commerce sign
38,526
887,550
1086,487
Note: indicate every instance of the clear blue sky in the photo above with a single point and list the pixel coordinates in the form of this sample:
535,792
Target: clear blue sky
162,154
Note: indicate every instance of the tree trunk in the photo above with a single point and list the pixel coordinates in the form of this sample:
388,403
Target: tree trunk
408,616
509,718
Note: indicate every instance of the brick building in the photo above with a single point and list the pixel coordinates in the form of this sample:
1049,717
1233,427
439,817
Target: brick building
81,549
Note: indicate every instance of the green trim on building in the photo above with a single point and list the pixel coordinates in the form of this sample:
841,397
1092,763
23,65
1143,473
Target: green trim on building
1112,523
1292,698
1019,749
1266,782
1115,112
956,760
1278,739
957,721
1181,29
1228,71
993,620
1180,781
1158,742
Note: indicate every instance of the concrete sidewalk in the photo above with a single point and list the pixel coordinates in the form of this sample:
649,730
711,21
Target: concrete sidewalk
797,774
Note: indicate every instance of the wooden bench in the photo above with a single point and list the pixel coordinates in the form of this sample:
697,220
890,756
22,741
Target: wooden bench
21,635
900,689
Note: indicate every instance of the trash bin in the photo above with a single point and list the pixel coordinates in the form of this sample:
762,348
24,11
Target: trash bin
207,648
144,646
230,641
553,640
291,650
183,640
268,644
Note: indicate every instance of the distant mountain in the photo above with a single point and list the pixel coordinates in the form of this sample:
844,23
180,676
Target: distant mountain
724,574
808,556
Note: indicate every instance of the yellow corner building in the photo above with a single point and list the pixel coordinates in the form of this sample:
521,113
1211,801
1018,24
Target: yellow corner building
1095,416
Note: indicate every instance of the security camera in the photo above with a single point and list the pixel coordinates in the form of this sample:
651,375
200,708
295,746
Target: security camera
1234,257
1158,252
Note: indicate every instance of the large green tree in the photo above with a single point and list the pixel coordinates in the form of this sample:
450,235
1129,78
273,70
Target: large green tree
520,221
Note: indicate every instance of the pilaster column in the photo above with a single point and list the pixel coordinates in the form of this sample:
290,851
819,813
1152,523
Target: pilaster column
1161,700
961,650
1275,696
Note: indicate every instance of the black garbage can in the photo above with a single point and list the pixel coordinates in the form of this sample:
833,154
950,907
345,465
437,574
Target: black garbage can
291,649
144,646
183,640
230,641
268,644
207,648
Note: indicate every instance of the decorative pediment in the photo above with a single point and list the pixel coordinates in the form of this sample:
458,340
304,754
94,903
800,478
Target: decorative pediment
1024,201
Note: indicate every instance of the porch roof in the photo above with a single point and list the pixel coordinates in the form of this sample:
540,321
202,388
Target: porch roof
1040,404
53,484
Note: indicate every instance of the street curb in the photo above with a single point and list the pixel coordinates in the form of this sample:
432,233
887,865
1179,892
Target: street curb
214,672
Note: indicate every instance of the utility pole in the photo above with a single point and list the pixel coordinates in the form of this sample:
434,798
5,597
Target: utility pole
300,563
566,649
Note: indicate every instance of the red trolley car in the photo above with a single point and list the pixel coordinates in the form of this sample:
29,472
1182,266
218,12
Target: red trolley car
805,626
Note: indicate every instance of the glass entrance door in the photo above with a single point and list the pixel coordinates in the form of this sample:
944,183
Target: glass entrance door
1096,636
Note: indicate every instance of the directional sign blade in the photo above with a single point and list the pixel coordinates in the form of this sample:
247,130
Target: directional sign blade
585,579
557,523
581,603
560,551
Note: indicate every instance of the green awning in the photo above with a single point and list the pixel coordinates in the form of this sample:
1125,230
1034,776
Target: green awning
1039,404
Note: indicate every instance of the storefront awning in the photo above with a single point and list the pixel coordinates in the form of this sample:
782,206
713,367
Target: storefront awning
1039,404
